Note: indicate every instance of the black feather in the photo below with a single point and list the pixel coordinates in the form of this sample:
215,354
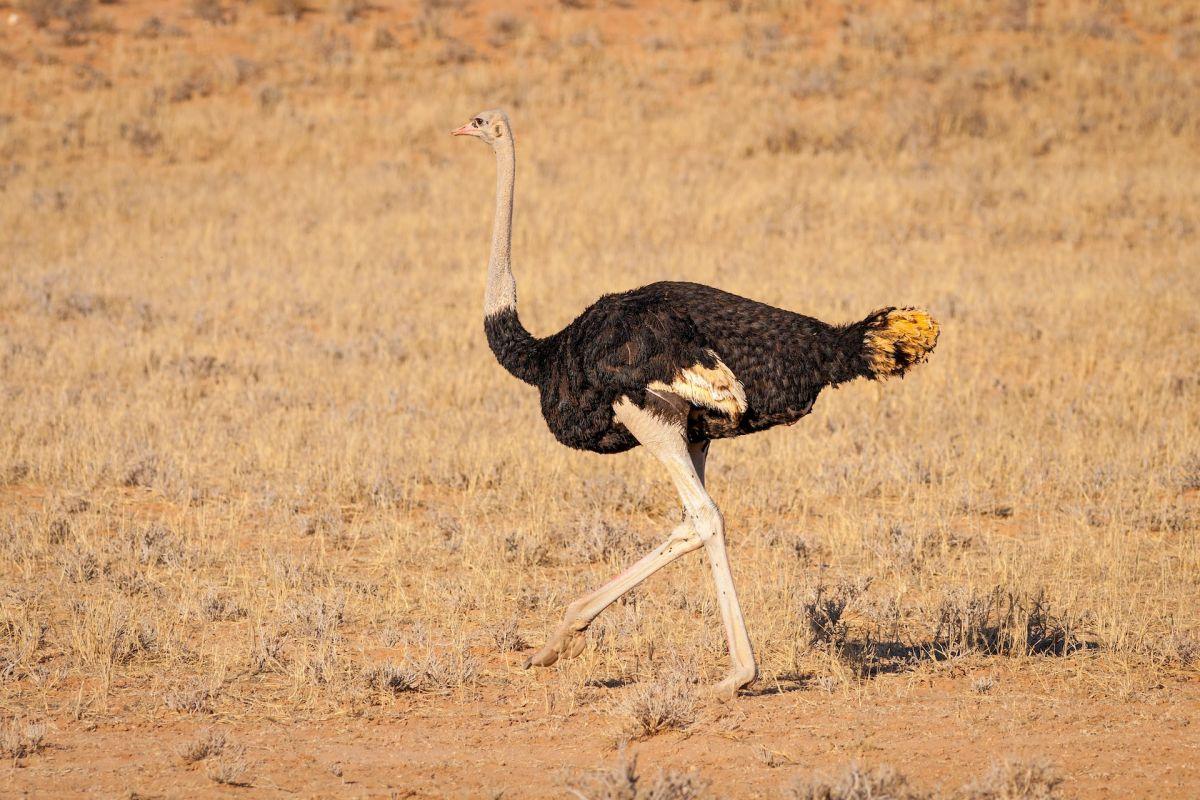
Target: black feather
623,342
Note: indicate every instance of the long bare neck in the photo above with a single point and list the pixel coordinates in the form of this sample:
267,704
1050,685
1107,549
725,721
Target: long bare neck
501,291
515,348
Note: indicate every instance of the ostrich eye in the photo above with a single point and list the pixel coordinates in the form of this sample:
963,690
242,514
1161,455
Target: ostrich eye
477,121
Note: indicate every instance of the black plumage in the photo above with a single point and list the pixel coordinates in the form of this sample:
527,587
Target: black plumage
624,342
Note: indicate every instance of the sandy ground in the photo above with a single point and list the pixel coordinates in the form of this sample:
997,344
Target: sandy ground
509,746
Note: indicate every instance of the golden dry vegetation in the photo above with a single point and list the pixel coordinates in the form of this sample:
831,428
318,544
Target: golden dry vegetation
272,520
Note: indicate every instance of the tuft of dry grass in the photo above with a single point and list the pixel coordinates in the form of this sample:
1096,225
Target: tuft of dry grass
857,783
214,12
209,744
984,684
1015,780
229,768
654,707
291,10
1009,780
1002,622
393,678
351,10
823,610
191,698
19,739
77,14
434,671
507,638
623,781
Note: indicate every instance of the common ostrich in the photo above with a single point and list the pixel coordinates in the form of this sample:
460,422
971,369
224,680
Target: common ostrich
672,366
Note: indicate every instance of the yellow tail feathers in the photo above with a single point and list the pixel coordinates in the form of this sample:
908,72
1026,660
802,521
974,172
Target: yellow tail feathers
899,339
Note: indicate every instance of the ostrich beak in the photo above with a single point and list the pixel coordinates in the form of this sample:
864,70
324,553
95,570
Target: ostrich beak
465,130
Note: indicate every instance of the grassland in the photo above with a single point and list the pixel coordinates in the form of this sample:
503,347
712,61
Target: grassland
273,521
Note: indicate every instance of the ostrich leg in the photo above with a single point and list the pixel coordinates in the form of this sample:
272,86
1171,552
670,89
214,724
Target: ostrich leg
743,669
665,438
567,640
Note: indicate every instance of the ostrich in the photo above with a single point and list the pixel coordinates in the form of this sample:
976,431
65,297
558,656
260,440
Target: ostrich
672,366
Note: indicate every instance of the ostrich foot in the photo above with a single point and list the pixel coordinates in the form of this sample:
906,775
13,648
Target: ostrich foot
564,643
728,688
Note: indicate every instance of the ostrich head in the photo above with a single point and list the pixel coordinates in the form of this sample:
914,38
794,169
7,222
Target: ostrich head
490,126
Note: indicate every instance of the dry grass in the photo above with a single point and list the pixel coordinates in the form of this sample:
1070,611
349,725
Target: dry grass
257,461
1014,780
659,706
228,769
1010,780
625,782
20,739
859,783
209,744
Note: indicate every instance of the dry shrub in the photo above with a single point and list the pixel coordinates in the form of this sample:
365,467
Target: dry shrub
901,549
20,739
1007,781
504,27
520,548
76,13
319,666
601,540
428,22
384,39
153,545
674,785
291,10
335,49
112,636
196,85
456,51
1183,648
350,10
393,678
316,616
810,138
78,564
229,768
507,638
1015,780
266,651
208,744
1000,622
218,607
443,671
665,705
823,610
22,635
857,783
623,782
433,672
984,684
194,697
213,12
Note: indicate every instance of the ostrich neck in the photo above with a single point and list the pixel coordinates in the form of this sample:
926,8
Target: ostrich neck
501,292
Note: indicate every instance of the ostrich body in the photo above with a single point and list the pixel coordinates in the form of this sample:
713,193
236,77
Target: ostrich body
672,366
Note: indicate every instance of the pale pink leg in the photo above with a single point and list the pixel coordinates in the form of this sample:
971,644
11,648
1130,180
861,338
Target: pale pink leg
568,640
743,669
703,525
